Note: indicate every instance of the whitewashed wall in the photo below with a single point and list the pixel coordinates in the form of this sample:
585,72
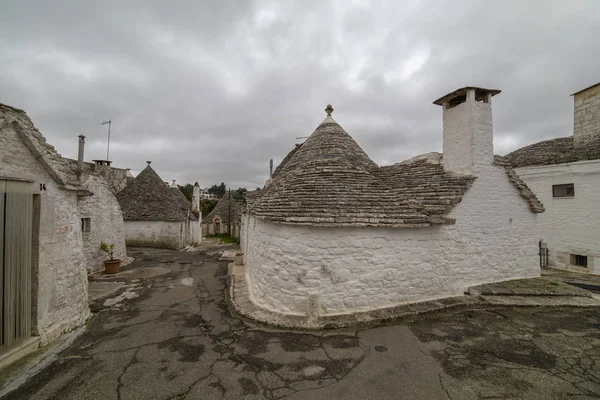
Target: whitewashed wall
571,225
195,231
60,279
106,223
353,269
155,233
468,136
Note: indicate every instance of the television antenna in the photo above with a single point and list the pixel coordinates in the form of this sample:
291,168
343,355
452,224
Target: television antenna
109,122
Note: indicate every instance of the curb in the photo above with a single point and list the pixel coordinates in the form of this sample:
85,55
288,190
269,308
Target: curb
239,299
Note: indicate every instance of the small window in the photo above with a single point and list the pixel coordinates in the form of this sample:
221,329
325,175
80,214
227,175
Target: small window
579,260
566,190
86,224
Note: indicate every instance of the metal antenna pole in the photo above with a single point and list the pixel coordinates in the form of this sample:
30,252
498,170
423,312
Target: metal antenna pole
108,143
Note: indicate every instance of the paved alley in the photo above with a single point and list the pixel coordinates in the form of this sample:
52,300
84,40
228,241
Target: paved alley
167,333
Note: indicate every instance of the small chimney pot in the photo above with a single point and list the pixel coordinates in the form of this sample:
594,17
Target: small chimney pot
80,155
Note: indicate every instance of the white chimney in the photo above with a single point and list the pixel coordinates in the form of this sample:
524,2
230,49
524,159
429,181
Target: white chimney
468,133
196,198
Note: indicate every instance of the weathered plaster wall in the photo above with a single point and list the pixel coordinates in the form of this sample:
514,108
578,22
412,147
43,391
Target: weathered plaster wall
155,233
196,237
60,278
193,232
106,223
220,229
570,224
351,269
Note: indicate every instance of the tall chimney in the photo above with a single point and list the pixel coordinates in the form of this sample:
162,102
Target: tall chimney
468,131
80,154
586,121
196,198
271,168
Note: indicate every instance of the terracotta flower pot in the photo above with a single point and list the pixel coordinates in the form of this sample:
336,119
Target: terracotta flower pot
112,266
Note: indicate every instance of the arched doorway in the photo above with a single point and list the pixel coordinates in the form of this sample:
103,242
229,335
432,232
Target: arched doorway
217,225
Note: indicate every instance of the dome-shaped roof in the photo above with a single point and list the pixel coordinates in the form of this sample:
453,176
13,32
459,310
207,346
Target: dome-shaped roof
329,180
147,198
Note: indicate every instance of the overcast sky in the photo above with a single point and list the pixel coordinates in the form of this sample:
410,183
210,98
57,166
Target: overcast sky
210,91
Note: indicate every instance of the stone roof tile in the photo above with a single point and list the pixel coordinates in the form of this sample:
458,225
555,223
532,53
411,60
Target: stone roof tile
534,203
222,209
148,198
556,151
63,170
330,181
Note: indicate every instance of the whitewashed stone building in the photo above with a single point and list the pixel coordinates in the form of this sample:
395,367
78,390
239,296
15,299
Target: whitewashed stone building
565,175
227,212
54,213
335,227
157,215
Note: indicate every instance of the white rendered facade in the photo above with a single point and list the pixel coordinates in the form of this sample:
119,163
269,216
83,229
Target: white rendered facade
352,269
570,224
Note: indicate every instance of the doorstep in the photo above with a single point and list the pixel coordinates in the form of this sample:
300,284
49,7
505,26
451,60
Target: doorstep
26,347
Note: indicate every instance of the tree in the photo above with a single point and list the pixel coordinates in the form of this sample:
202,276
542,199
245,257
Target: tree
187,190
238,194
219,190
207,206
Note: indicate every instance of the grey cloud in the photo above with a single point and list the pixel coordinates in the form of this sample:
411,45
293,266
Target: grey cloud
210,91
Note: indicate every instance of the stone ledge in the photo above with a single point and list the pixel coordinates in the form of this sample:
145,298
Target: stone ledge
240,301
24,348
528,287
542,301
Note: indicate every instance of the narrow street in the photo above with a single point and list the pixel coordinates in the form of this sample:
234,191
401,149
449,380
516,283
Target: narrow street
168,334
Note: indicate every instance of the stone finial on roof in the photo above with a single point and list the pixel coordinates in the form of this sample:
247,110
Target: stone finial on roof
149,162
329,110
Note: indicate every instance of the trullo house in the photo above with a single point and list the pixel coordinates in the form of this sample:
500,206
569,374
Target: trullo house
157,215
353,236
224,218
565,174
54,212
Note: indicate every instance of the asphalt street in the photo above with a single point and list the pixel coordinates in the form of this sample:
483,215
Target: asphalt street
168,334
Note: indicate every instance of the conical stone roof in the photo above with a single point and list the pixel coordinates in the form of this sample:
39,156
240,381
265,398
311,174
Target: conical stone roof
224,207
330,181
183,201
147,198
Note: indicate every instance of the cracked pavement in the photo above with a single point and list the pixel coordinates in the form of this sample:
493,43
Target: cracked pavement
168,334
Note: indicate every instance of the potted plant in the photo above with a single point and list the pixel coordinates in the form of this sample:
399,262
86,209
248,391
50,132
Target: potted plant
112,265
